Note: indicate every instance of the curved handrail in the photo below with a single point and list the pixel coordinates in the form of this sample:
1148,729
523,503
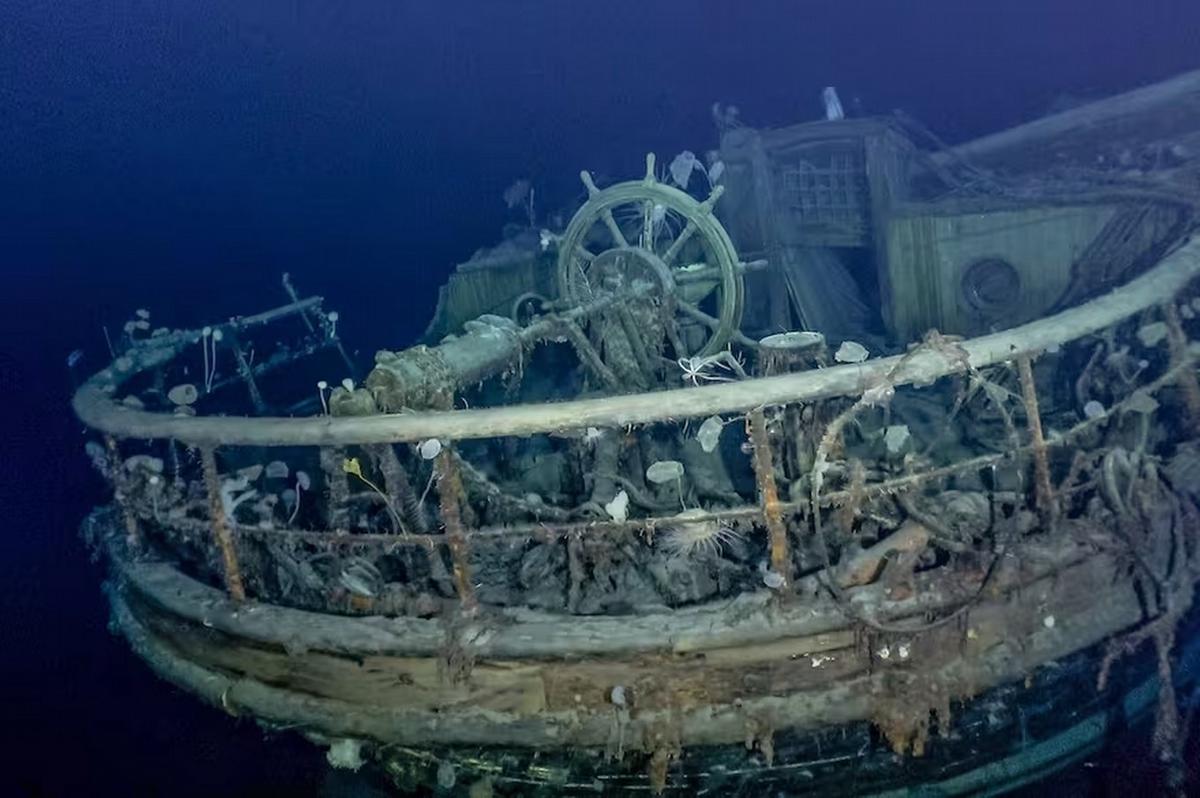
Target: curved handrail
94,405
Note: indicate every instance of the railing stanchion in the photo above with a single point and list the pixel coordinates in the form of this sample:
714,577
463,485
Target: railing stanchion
450,492
220,524
768,496
1041,462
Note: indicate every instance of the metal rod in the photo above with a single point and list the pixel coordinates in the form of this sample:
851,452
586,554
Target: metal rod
247,375
291,292
450,492
1041,463
276,362
220,525
337,342
300,306
768,496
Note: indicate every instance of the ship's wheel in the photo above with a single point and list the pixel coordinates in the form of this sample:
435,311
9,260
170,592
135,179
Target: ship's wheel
653,240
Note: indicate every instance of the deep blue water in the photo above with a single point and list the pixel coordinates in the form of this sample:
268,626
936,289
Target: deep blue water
180,155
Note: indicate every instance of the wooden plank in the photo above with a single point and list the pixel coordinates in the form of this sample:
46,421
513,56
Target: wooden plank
661,681
1011,636
385,681
750,619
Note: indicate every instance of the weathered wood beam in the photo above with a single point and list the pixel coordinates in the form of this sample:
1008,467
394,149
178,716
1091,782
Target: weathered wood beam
1168,96
531,719
748,619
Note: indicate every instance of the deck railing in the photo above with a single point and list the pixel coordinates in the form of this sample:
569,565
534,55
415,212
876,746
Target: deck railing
356,463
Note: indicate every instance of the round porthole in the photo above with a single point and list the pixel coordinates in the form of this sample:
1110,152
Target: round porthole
991,287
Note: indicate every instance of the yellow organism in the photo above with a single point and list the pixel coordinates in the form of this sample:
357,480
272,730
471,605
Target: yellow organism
351,466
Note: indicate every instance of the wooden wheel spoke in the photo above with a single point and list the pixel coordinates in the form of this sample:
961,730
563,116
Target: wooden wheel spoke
648,225
678,243
695,313
711,322
614,228
696,273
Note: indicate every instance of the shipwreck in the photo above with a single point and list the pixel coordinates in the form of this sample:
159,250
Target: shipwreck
839,461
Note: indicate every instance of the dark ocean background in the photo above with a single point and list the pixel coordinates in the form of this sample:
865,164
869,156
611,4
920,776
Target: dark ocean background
179,156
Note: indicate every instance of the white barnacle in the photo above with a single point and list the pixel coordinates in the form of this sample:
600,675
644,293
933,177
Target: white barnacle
774,580
1152,334
895,437
879,395
184,394
851,352
709,433
664,471
618,507
429,449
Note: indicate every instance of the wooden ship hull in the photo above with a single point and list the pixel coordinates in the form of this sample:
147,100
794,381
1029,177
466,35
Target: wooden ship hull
793,704
956,568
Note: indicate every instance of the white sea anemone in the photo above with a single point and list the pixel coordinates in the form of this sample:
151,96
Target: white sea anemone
700,538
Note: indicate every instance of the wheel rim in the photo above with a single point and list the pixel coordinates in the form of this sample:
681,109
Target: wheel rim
659,229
